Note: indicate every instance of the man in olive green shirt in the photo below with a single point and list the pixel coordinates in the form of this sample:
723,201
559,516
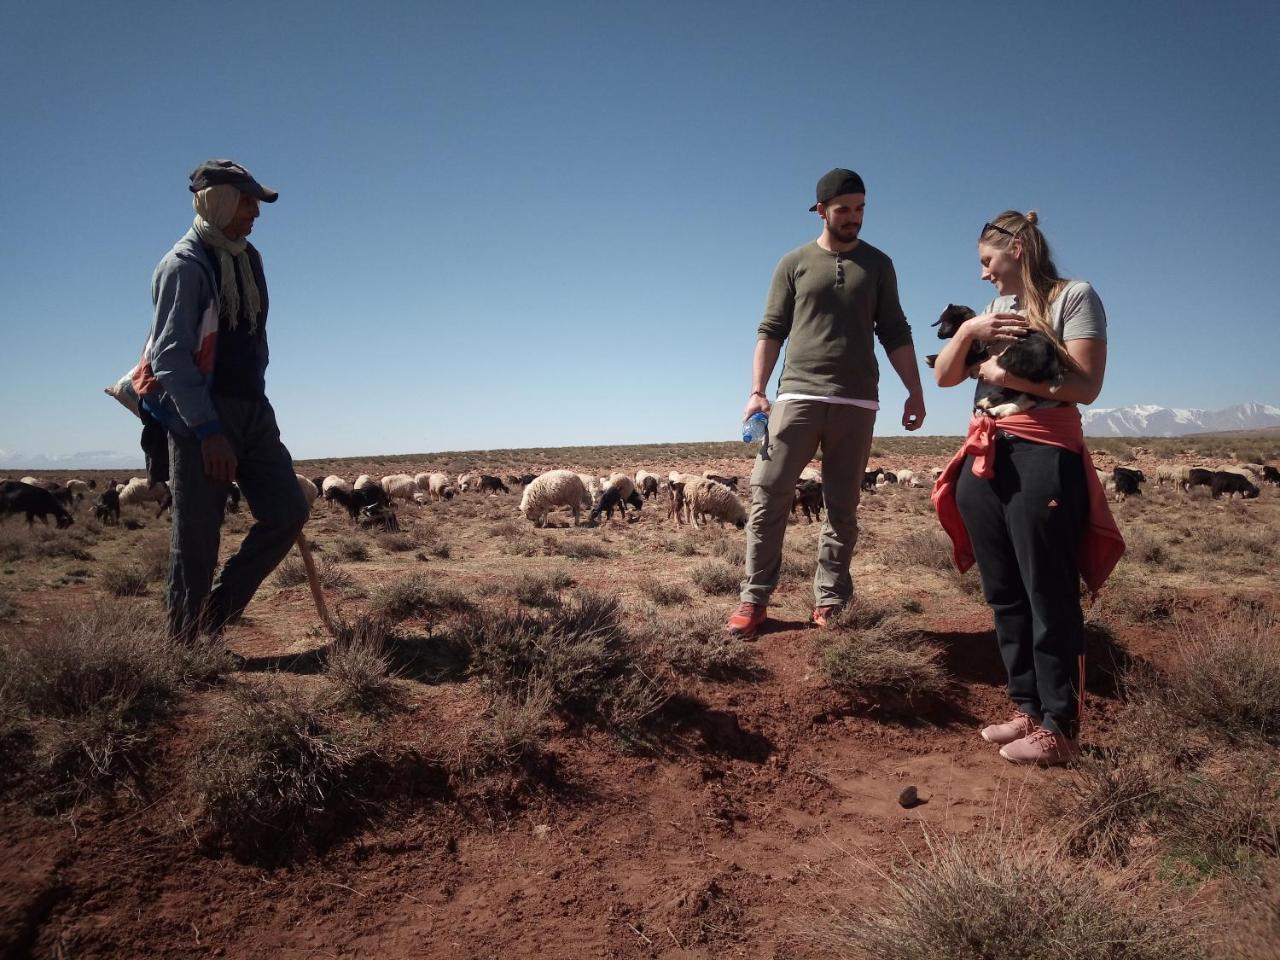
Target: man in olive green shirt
828,300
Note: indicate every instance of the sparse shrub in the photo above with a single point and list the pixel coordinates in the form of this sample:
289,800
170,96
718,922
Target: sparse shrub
580,650
510,735
887,658
698,645
686,548
414,596
59,543
1226,672
732,552
1105,803
577,548
352,548
273,769
440,550
332,574
7,609
291,572
663,594
716,577
396,542
540,589
125,581
91,684
928,547
359,666
987,900
796,566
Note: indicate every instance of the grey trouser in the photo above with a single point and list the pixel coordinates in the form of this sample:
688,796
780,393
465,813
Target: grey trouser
797,428
265,473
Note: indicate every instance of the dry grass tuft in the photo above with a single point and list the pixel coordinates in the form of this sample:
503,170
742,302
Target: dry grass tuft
922,547
414,596
540,589
993,900
886,657
697,644
90,687
274,770
125,581
661,593
716,577
352,549
360,667
1226,673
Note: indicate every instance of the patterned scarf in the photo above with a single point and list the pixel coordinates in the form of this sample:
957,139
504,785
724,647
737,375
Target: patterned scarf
215,206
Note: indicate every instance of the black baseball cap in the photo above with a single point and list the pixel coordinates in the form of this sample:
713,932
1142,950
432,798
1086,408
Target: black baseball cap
836,182
213,173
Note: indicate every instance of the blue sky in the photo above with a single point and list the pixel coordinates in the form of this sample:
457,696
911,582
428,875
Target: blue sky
549,224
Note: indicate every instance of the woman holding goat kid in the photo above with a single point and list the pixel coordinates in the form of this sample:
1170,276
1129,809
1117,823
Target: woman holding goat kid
1021,496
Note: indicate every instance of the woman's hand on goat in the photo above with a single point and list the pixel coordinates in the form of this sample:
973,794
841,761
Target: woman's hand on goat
996,327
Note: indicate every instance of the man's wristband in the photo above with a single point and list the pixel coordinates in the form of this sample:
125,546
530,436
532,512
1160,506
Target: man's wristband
759,393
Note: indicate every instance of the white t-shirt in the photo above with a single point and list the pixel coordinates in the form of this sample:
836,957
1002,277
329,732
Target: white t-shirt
865,404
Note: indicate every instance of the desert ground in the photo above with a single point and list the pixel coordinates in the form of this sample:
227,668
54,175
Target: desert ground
537,743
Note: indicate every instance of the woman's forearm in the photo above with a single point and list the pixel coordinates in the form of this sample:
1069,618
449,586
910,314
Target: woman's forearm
949,369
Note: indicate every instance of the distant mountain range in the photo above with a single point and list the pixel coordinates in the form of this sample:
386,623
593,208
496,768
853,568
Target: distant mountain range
12,461
1146,420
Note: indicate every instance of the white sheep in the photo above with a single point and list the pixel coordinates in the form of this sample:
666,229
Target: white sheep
333,482
139,491
437,485
811,473
708,499
591,488
935,472
555,488
309,491
364,482
624,484
907,478
399,486
79,489
1177,474
468,481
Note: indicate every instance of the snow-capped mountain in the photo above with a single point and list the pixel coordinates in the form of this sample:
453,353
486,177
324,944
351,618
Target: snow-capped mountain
1146,420
11,460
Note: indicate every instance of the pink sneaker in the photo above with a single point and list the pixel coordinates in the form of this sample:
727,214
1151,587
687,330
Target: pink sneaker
1015,728
1042,747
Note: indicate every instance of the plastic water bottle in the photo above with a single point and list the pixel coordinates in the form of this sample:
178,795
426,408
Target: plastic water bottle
756,426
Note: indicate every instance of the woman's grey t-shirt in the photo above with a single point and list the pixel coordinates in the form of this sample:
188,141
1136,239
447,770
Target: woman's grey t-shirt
1076,314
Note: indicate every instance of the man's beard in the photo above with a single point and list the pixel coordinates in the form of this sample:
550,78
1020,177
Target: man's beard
844,234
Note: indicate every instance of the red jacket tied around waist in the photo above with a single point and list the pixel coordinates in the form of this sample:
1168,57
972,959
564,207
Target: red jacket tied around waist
1101,545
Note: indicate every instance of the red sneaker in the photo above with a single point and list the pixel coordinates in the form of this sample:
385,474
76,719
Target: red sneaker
746,620
825,615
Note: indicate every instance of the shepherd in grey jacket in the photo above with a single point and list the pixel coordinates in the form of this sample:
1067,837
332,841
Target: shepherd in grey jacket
203,377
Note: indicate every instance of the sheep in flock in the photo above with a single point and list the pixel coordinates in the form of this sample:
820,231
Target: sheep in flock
399,486
467,481
708,499
647,484
140,490
907,478
555,488
618,492
435,485
592,488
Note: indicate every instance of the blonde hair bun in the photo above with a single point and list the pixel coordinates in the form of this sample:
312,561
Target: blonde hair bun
1032,217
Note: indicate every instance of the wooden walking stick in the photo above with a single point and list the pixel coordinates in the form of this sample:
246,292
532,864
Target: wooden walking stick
314,580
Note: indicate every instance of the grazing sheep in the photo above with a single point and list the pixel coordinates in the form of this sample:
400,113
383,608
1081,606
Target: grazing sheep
79,489
592,488
809,499
140,490
399,486
618,492
366,492
555,488
19,497
467,481
647,484
872,478
331,483
730,482
378,515
106,508
907,478
1177,474
678,506
309,491
491,484
708,499
935,473
1271,475
437,485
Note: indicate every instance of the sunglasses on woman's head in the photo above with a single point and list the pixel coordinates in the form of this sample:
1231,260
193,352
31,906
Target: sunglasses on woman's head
992,226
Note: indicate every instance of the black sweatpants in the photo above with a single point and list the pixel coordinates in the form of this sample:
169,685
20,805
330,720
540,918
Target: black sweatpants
264,471
1025,525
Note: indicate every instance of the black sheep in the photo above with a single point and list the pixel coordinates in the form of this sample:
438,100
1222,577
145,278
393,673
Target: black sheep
613,498
18,497
809,499
649,487
106,508
492,484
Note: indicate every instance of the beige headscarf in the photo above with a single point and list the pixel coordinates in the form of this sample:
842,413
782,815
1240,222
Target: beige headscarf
215,206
